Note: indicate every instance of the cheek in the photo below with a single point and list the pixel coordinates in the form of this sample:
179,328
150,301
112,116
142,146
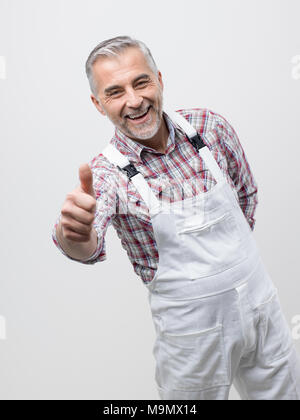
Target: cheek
158,100
157,93
113,109
154,96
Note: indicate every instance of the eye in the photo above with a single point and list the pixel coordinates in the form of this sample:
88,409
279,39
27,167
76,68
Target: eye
116,92
142,83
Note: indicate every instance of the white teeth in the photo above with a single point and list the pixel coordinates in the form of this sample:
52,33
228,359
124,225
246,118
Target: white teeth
137,116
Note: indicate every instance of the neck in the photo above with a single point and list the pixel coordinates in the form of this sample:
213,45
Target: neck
160,140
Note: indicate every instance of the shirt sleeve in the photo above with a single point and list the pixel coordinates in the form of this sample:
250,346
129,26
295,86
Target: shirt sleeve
239,169
103,183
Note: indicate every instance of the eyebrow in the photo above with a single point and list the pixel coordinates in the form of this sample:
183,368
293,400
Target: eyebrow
113,87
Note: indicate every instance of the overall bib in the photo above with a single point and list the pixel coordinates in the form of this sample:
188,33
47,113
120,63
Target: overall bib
215,309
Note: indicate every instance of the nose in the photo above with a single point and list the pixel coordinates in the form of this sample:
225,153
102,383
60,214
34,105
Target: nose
133,100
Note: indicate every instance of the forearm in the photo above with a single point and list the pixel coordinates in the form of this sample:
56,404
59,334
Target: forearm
248,205
77,250
239,169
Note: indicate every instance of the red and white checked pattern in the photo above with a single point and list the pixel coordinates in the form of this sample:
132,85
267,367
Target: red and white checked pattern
179,173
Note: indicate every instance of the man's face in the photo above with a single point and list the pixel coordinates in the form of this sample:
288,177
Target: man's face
129,93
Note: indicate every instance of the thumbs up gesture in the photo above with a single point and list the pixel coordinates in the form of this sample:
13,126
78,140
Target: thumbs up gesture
78,211
86,180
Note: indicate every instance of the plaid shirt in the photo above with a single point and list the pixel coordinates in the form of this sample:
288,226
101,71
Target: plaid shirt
119,203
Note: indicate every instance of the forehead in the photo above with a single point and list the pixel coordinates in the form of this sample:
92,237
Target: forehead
120,69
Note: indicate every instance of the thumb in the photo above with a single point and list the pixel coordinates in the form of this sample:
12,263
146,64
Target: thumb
86,179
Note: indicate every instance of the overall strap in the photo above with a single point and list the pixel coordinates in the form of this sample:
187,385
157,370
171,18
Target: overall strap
198,143
120,160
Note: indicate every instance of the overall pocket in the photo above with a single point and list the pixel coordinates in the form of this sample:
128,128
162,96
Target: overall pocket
213,245
191,362
275,338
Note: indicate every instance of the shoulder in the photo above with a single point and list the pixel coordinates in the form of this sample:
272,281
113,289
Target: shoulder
204,119
105,175
101,166
213,126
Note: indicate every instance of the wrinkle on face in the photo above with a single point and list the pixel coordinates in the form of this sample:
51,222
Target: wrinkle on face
121,93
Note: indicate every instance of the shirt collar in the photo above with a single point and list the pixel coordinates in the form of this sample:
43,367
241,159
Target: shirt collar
133,149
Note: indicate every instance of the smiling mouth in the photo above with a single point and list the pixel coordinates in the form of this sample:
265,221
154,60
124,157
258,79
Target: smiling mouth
138,117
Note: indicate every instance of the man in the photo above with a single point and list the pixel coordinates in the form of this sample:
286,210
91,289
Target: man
178,189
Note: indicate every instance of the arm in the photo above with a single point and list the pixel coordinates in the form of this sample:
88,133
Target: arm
75,250
239,169
89,249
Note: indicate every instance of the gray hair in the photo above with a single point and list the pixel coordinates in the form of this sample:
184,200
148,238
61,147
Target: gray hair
111,48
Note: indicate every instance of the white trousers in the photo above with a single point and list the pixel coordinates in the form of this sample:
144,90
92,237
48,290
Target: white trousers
232,337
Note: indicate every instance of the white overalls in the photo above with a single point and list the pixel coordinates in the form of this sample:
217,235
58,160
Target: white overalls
215,308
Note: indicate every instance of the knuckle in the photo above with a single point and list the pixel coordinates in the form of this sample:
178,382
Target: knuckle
88,229
91,204
90,218
75,237
69,229
83,230
71,196
64,221
68,235
65,210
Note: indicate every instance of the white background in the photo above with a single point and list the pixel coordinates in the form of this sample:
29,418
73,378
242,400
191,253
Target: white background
85,332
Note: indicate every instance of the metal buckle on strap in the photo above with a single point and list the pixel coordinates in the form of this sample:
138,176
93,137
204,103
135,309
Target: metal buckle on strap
197,142
130,170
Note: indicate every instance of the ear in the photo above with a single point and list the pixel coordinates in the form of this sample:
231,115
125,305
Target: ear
159,76
98,105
